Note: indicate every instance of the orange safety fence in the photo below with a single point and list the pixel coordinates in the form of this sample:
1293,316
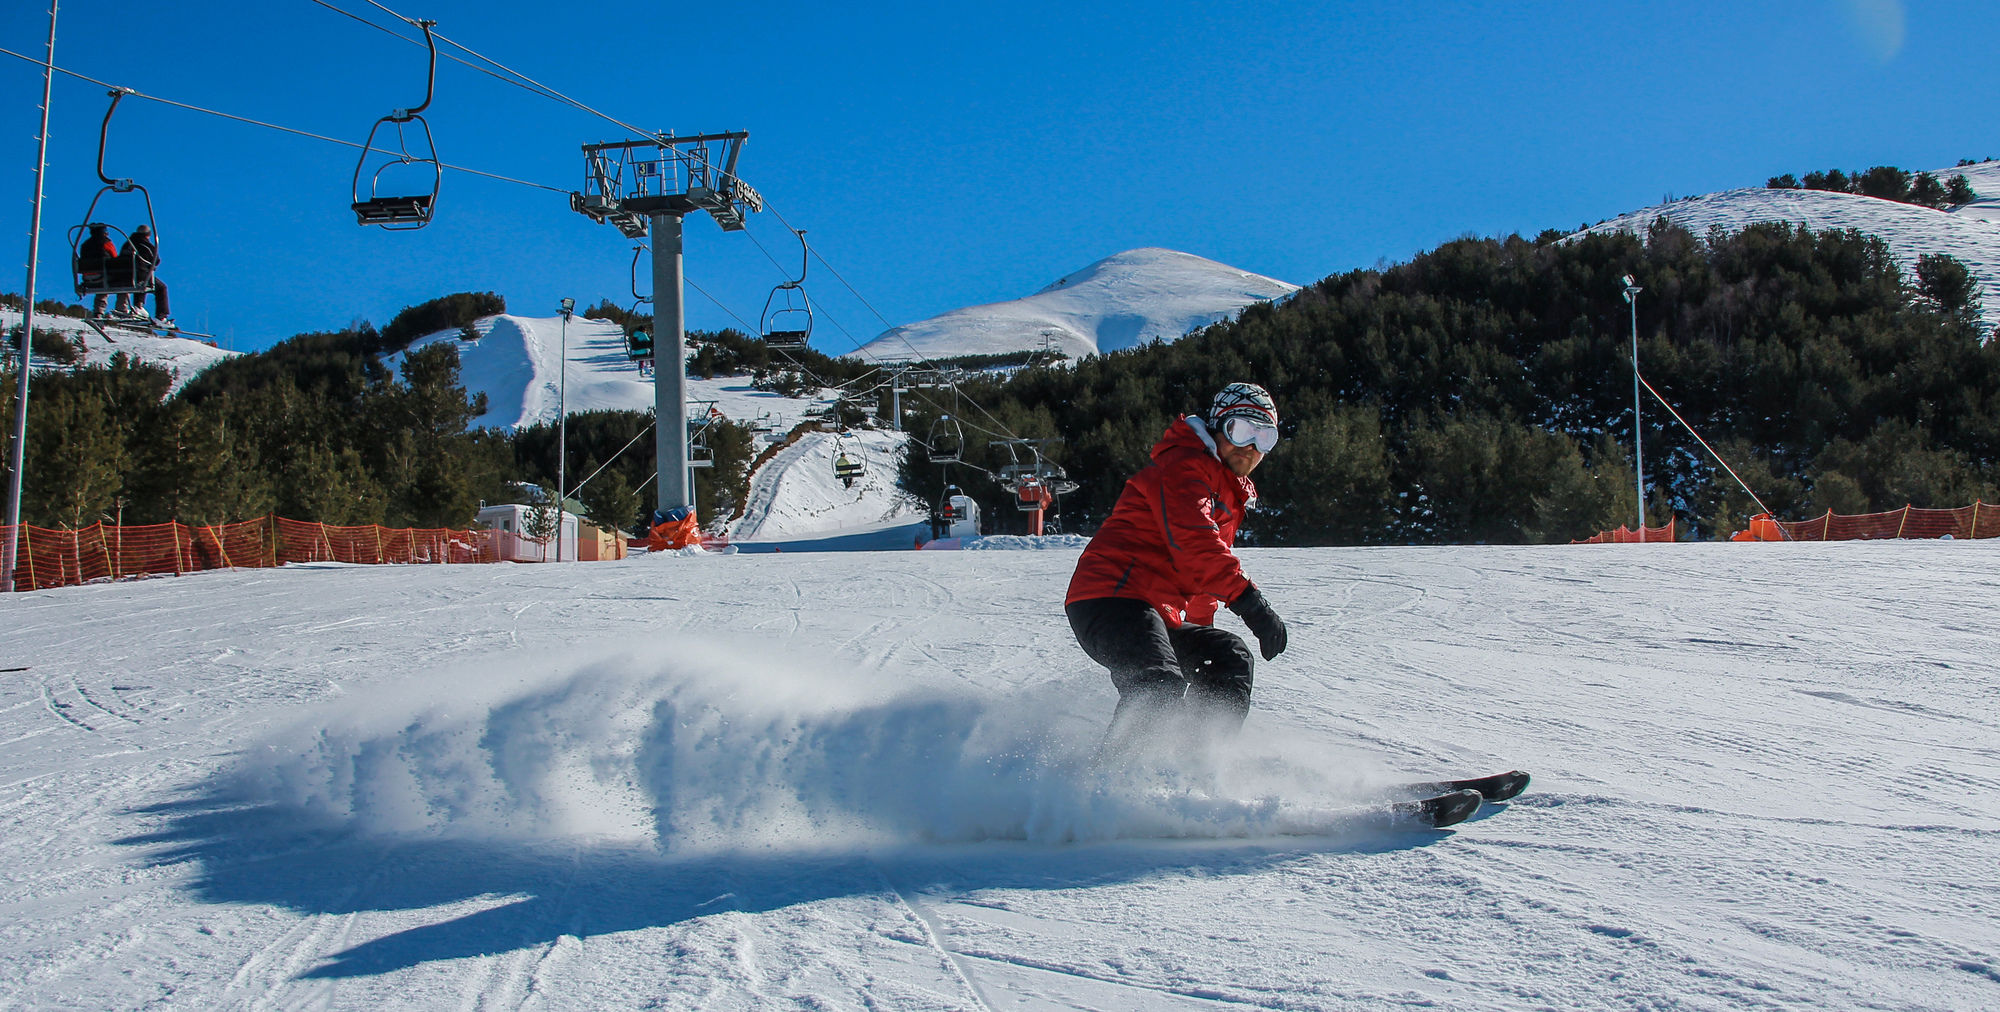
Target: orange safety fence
1625,535
58,558
1979,520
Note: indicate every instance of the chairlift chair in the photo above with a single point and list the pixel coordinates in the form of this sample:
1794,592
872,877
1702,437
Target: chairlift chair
847,469
124,274
399,210
947,441
789,326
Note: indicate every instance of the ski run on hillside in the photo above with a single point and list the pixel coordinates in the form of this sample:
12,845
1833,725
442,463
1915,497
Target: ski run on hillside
1764,778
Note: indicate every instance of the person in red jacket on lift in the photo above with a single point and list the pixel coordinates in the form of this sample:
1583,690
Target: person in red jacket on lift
1143,599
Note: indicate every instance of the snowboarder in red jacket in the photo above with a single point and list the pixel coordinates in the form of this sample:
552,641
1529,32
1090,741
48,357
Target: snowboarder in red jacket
1143,599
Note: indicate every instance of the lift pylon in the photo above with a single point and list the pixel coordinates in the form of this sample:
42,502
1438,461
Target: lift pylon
652,184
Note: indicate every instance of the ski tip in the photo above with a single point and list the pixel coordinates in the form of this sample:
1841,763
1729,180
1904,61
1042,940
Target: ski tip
1507,786
1454,808
1448,809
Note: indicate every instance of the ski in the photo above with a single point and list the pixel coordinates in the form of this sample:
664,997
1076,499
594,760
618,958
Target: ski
1498,787
1448,809
136,325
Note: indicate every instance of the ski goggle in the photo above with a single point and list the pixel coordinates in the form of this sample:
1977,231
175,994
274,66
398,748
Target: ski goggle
1242,431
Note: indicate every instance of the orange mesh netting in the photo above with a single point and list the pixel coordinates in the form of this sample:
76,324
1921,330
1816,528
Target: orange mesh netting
60,558
1625,535
1978,520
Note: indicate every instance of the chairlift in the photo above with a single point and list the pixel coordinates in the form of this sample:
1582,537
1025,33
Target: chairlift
949,509
125,273
398,210
638,342
1031,495
788,326
699,454
847,469
638,345
947,441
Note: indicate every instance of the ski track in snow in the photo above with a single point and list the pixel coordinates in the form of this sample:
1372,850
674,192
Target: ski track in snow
858,781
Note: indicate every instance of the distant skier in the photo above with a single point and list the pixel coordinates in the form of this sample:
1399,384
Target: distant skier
145,256
1143,599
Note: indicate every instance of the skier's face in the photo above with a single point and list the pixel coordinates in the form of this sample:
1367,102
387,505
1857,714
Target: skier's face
1240,460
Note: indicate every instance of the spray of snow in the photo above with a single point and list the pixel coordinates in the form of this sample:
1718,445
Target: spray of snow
687,747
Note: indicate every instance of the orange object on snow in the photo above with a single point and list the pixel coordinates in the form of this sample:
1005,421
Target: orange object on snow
676,530
1763,527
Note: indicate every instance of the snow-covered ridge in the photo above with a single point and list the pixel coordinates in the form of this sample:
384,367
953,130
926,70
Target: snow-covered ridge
1970,233
1118,302
183,357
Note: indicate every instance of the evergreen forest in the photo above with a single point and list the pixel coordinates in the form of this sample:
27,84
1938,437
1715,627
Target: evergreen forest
1481,392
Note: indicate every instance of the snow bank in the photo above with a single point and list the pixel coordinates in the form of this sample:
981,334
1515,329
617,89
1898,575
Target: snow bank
689,747
1025,543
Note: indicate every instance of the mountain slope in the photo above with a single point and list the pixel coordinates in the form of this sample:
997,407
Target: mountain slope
517,363
1970,233
1118,302
183,357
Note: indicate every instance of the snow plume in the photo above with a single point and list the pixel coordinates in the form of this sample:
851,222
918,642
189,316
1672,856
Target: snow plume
690,748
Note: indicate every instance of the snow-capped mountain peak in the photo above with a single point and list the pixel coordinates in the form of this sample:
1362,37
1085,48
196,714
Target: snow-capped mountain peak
1118,302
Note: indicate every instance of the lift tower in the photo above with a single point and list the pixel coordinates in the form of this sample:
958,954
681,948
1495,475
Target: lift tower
657,182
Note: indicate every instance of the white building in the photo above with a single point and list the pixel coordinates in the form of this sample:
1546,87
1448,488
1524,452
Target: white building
514,545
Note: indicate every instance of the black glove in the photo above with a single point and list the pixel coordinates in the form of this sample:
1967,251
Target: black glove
1256,613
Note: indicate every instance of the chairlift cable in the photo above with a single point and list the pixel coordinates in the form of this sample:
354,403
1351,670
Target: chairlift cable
600,468
537,86
461,61
135,93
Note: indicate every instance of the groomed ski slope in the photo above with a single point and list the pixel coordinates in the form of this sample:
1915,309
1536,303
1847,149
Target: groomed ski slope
518,364
1765,779
796,494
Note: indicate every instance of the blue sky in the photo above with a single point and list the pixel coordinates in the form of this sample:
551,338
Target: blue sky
940,156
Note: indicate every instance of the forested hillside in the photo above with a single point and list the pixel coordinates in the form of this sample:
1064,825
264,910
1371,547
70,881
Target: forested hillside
1483,391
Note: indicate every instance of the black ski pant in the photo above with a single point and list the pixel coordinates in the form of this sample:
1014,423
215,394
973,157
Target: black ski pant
1197,669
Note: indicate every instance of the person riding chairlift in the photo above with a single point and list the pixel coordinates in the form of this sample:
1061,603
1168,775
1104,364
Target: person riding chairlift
144,254
93,258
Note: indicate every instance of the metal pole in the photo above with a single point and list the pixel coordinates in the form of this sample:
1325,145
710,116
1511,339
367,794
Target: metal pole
896,403
674,485
1638,450
562,429
18,458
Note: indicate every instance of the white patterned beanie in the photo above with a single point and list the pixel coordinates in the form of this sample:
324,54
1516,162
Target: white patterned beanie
1247,400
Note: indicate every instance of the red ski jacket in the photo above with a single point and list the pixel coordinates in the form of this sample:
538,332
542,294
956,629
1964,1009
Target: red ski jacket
1168,540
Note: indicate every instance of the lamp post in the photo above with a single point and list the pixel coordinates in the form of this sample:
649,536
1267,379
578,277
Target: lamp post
1632,291
562,426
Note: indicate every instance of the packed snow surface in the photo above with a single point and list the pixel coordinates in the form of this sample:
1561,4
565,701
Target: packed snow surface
1119,302
183,357
1764,779
1970,233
